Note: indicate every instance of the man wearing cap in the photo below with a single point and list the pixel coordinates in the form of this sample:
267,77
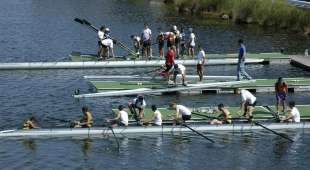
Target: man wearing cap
138,103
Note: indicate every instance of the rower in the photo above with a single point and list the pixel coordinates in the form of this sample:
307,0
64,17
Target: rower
137,103
86,121
121,118
200,62
156,118
281,92
294,115
248,103
182,113
191,43
225,117
179,69
136,43
31,123
161,43
147,41
100,37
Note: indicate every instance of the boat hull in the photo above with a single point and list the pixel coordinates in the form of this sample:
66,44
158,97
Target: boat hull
141,130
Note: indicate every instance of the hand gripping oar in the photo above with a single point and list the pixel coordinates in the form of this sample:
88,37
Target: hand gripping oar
274,114
200,134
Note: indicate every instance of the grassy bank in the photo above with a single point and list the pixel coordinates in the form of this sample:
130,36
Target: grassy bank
263,12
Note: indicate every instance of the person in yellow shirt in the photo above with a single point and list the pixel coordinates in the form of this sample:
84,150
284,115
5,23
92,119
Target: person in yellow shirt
86,121
30,123
224,118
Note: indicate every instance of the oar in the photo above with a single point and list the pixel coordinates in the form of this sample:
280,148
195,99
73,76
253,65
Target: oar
60,120
122,45
111,128
279,134
274,114
200,134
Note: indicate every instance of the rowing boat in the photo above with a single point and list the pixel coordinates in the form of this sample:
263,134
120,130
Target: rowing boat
141,77
141,130
260,85
161,90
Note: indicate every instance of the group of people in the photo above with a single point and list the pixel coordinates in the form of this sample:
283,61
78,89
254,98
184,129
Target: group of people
182,113
177,39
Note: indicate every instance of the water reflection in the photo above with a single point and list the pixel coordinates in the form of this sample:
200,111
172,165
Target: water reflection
86,146
29,144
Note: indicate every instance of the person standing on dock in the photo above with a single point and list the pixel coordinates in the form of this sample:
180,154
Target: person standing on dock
281,90
136,40
191,43
182,113
182,42
169,62
241,62
170,37
147,41
161,43
100,37
294,115
200,62
248,103
177,40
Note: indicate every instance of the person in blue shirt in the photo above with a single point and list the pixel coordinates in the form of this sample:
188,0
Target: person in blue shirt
241,62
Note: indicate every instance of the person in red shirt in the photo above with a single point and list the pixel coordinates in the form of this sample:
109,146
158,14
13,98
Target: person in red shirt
169,61
281,91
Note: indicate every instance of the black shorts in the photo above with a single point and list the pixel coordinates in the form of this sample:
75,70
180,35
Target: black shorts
168,67
146,43
253,105
199,67
170,43
186,117
161,45
177,40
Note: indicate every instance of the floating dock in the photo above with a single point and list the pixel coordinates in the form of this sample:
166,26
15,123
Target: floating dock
260,85
88,61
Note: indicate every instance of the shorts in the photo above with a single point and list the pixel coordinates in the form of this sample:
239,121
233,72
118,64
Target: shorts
170,43
146,43
253,105
281,96
121,124
191,46
177,40
199,67
168,68
186,117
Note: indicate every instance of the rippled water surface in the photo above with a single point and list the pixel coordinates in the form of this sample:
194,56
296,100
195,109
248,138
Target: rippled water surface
37,30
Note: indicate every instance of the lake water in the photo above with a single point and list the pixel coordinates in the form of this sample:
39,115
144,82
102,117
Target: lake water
37,30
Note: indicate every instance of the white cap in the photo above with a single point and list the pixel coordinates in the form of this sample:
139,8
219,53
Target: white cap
107,30
174,27
190,29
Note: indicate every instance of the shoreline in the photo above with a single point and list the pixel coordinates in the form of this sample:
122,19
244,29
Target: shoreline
279,14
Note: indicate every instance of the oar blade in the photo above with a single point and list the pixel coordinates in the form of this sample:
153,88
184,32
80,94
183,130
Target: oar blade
86,22
78,20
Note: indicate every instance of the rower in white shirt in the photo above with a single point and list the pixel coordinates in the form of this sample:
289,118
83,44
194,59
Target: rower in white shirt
248,103
121,118
156,118
294,115
182,112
